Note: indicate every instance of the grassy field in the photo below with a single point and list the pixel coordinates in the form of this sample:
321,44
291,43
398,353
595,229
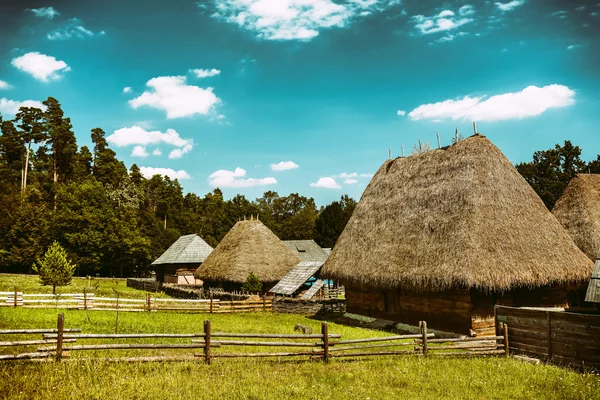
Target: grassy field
101,287
397,377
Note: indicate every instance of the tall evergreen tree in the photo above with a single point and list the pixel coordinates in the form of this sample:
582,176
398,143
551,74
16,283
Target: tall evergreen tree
29,121
61,139
107,169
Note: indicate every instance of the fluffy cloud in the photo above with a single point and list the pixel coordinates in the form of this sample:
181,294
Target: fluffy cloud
446,20
345,175
11,107
327,182
178,153
44,12
73,29
509,6
205,73
156,152
149,172
295,19
40,66
172,95
284,165
573,46
401,113
350,181
4,85
127,89
139,151
529,102
235,179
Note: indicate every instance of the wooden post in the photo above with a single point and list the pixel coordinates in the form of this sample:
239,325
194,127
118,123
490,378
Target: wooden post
117,317
325,333
84,298
211,302
438,138
148,302
264,303
474,127
15,298
506,353
60,326
207,341
424,333
549,322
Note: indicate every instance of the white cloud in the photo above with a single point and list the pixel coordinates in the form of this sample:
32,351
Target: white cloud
295,19
366,175
11,107
40,66
4,85
235,179
401,113
509,6
73,29
171,94
149,172
156,152
529,102
350,181
573,46
205,73
137,135
139,151
284,165
345,175
127,89
446,20
327,182
178,153
44,12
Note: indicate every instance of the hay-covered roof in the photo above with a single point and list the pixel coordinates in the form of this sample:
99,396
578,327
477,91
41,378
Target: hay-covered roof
248,247
578,210
306,250
188,249
461,216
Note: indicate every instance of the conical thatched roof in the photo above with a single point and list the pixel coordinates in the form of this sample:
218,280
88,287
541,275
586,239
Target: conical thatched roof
188,249
578,210
248,247
460,216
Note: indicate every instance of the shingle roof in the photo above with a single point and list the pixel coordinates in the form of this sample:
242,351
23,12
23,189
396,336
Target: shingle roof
593,291
310,293
296,277
307,250
188,249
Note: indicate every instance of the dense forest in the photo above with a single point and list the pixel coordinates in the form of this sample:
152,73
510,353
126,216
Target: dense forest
113,221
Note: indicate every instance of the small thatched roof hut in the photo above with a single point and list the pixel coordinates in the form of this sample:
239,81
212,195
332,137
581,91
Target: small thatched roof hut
187,253
248,247
578,210
458,221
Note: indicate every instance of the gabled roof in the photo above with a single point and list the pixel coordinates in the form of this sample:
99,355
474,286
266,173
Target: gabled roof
188,249
460,216
297,277
310,293
306,250
248,247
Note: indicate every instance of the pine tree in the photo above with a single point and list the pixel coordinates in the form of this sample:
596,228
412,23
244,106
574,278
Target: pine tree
252,284
54,268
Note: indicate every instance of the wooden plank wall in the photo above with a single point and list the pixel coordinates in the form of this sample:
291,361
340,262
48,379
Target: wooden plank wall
562,338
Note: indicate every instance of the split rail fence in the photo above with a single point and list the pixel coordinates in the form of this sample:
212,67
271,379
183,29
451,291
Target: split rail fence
88,301
60,343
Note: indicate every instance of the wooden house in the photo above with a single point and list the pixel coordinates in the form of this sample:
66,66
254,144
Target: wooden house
179,262
249,247
444,235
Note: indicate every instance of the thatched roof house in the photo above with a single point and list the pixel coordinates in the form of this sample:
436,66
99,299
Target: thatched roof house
186,254
248,247
578,210
307,250
451,225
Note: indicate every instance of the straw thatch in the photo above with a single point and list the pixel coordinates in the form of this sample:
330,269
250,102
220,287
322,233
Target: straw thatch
248,247
460,216
578,210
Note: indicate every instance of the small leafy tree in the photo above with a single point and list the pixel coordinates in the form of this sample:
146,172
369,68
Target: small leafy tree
54,268
252,284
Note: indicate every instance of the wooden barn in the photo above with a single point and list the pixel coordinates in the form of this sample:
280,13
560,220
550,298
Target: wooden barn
248,247
578,210
179,262
445,235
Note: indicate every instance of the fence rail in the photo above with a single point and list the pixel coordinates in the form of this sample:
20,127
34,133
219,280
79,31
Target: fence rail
61,343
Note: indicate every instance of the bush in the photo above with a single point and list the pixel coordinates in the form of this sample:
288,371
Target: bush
252,284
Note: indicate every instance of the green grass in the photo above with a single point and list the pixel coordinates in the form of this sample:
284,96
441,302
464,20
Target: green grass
101,287
398,377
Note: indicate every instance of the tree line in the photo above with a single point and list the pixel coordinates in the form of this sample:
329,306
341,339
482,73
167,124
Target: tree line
112,220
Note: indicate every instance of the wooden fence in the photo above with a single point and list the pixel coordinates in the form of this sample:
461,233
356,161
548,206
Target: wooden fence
88,301
559,337
61,342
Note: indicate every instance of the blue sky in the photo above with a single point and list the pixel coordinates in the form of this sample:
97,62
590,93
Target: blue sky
304,95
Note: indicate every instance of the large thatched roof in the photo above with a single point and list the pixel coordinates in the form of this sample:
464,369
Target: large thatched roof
460,216
188,249
248,247
578,210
